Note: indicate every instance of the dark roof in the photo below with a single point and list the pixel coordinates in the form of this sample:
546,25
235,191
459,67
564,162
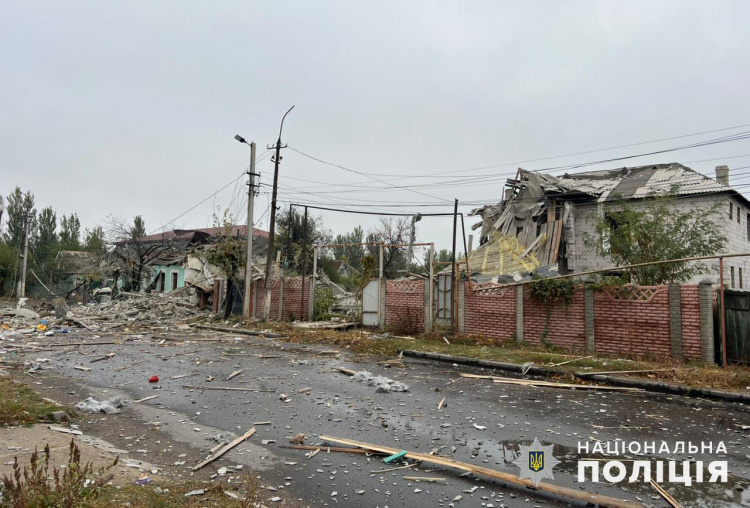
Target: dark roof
190,234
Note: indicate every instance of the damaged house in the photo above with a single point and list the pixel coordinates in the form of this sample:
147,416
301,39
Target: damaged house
539,225
173,260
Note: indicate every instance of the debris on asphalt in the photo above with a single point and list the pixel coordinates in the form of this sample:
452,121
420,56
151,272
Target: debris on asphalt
225,449
153,379
91,405
382,384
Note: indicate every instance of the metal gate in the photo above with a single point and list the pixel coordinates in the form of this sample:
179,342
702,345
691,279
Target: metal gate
738,327
443,294
371,303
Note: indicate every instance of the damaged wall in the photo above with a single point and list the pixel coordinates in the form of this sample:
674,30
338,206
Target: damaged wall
288,291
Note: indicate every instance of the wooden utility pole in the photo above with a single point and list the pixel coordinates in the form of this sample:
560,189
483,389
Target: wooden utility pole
304,268
250,230
22,282
454,286
272,225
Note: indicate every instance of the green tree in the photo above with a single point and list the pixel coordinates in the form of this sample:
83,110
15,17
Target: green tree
18,205
656,230
46,240
9,259
228,255
351,254
70,232
139,227
292,236
94,240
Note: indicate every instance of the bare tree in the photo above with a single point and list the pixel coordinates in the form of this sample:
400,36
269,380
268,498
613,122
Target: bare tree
131,252
393,232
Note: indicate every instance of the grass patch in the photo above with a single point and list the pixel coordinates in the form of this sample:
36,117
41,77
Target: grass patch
21,405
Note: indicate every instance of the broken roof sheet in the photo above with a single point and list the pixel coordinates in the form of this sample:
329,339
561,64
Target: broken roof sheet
640,182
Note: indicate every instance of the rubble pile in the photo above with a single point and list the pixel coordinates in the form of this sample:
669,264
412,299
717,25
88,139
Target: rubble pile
126,311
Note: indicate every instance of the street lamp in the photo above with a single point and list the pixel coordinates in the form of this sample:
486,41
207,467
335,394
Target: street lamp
250,229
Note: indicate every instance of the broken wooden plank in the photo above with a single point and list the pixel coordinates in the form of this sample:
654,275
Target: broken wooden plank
667,497
225,449
643,371
65,430
550,384
429,479
573,360
595,499
333,449
239,331
144,399
228,388
348,372
105,357
84,369
235,374
394,468
441,404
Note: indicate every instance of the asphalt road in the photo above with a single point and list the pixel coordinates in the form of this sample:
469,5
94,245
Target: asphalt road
481,422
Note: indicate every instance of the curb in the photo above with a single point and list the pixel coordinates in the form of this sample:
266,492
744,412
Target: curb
649,386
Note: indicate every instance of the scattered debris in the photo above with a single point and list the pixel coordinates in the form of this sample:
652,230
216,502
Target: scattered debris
144,399
235,374
225,449
298,439
595,499
199,492
381,384
65,430
91,405
153,379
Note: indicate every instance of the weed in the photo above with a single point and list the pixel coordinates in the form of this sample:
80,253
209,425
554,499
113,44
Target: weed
32,486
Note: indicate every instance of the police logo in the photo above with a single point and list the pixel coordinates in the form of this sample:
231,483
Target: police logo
536,462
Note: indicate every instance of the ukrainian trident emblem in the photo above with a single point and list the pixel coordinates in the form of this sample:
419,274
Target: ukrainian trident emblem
536,462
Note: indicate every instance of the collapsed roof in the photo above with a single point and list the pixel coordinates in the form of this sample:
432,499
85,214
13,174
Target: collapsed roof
526,229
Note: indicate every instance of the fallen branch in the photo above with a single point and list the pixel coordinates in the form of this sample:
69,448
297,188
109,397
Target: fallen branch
225,449
595,499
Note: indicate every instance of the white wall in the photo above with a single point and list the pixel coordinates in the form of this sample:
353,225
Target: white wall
582,259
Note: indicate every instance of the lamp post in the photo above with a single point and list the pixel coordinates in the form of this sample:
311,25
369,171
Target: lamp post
250,227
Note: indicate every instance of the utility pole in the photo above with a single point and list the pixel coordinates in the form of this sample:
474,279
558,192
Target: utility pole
22,282
250,227
304,268
454,285
272,225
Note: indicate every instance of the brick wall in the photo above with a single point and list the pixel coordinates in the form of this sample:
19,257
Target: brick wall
567,325
291,300
404,304
691,322
635,321
490,312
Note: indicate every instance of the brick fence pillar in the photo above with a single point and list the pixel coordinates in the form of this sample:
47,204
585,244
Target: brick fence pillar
705,290
427,307
281,299
461,303
381,287
675,320
588,316
519,313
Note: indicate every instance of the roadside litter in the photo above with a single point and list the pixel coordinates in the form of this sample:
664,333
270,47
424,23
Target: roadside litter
91,405
382,384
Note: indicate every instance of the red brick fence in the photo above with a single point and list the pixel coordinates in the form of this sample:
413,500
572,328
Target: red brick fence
671,320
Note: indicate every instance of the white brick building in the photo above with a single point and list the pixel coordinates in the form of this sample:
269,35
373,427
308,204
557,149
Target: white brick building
535,202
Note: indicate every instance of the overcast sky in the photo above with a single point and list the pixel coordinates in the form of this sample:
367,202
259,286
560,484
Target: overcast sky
128,108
